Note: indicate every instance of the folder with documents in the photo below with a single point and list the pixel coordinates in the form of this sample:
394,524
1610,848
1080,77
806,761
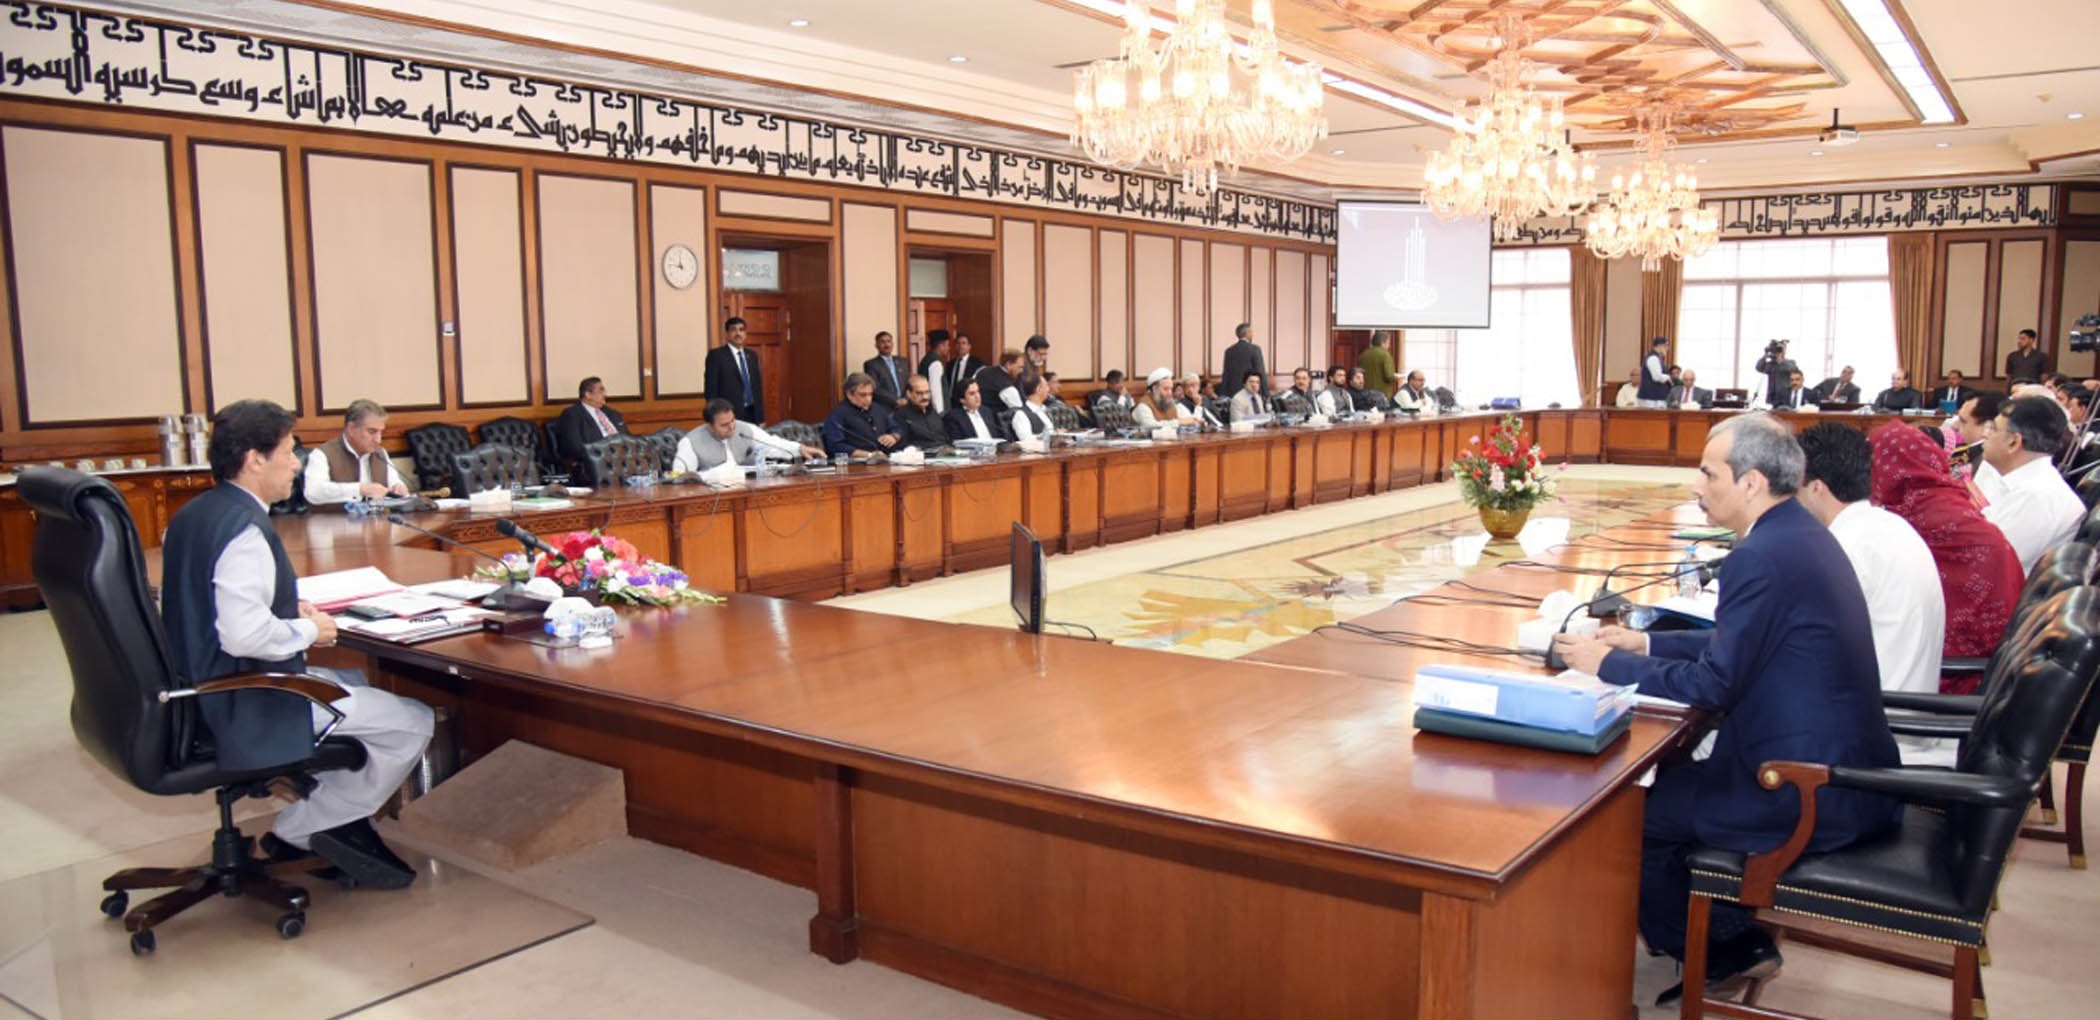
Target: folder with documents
1570,703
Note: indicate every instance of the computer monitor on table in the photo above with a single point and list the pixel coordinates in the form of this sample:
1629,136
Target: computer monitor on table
1026,580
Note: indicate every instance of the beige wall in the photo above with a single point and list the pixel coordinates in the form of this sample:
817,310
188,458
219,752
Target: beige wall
589,290
774,207
1068,298
246,274
94,275
1622,317
1962,342
1113,322
1195,312
2081,296
684,318
1288,351
1261,291
2019,295
374,279
489,277
869,265
1318,323
1017,281
1228,299
1152,287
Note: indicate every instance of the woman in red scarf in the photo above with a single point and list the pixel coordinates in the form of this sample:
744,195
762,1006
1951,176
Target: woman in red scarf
1979,572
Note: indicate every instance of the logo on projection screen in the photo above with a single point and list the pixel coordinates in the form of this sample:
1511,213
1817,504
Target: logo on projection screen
1412,293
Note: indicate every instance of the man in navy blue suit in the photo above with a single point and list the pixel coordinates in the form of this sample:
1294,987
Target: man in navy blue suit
1789,667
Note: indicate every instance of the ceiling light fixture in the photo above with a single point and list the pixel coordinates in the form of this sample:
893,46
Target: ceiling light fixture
1817,152
958,59
1201,103
1900,54
798,23
1655,212
2075,116
1941,145
1511,159
1337,152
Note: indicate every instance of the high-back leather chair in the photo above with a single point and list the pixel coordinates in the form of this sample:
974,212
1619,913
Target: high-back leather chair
511,431
136,716
1933,877
492,466
296,502
1064,417
799,432
615,459
665,442
2089,529
432,447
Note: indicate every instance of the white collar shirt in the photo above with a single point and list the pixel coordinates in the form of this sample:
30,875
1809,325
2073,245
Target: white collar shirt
2032,505
1905,606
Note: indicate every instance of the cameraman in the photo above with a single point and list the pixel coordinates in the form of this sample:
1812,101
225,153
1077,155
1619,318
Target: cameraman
1776,367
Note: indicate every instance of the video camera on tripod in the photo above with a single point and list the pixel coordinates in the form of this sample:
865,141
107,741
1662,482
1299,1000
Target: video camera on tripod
2087,336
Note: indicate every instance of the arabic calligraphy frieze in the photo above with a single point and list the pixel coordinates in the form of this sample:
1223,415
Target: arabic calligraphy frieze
115,59
1955,207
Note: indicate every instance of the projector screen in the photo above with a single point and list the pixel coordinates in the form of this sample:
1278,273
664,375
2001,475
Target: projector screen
1401,266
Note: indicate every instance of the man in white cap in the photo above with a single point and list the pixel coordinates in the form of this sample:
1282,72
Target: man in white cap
1159,407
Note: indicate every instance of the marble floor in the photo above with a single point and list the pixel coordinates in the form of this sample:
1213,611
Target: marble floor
674,935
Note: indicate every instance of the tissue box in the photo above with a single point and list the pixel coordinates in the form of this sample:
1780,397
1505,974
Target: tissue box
489,501
1586,706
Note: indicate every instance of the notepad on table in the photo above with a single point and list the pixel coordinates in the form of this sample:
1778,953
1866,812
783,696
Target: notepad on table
1704,534
336,589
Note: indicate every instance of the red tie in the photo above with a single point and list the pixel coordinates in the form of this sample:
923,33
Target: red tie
605,425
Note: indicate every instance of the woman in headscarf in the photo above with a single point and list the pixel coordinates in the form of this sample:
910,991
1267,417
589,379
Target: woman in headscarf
1980,575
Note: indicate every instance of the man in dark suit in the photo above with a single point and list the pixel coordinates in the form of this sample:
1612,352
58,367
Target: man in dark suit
1789,667
1953,391
1796,396
1244,357
917,421
1899,396
1839,389
999,385
962,370
934,366
1688,393
584,422
858,426
970,419
733,374
888,370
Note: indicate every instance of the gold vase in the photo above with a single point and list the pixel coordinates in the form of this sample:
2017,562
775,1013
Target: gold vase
1503,524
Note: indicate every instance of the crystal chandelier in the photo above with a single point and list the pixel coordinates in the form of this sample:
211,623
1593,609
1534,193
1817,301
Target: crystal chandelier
1654,211
1511,158
1200,102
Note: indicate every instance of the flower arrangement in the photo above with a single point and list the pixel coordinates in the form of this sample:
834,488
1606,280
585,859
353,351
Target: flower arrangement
611,567
1506,473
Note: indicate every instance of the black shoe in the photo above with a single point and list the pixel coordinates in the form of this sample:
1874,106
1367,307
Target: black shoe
366,863
279,851
1733,965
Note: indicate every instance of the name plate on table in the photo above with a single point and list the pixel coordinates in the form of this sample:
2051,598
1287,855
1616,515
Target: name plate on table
1571,703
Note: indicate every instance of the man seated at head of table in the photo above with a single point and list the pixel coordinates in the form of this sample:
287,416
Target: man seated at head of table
1899,396
917,421
970,419
2026,497
1895,568
859,427
354,465
1795,397
1789,660
725,439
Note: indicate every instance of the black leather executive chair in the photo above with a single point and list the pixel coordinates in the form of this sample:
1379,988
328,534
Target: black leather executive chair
492,466
431,447
614,459
134,715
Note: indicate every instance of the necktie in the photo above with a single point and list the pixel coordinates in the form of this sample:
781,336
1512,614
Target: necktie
605,425
896,384
745,374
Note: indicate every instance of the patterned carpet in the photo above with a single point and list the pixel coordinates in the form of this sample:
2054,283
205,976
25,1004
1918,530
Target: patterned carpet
1226,605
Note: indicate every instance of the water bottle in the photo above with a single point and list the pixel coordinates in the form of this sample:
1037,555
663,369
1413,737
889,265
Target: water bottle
356,507
1688,572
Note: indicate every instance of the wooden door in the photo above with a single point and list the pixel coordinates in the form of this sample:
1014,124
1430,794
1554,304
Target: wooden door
923,316
767,332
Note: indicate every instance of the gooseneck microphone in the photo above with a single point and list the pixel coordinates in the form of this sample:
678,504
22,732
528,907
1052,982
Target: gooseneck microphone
508,597
510,529
1607,603
396,518
1553,659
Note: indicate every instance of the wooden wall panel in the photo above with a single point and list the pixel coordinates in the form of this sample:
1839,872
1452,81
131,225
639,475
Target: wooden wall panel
590,300
2019,296
868,262
762,206
1290,312
245,274
1228,299
1017,283
1319,320
1196,345
1112,323
92,249
2081,296
1152,284
1261,290
684,318
488,272
1068,298
1962,313
1622,316
947,223
374,280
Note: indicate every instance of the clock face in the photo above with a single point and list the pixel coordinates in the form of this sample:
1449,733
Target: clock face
681,266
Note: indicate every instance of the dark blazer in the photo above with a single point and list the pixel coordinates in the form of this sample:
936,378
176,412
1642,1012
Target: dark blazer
960,371
575,428
887,391
923,429
1832,390
1893,399
958,424
1939,393
991,381
849,428
725,383
1241,358
1698,396
1790,667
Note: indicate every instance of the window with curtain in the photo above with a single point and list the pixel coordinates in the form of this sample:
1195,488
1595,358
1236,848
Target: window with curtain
1829,295
1528,350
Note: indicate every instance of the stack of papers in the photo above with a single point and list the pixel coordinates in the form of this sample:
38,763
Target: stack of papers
462,620
334,591
1572,711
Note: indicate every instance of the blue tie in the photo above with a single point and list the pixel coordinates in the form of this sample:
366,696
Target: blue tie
896,384
745,374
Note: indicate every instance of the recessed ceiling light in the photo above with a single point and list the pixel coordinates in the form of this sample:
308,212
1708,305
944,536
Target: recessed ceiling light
1701,159
958,59
1941,145
1337,152
2075,116
798,23
1817,152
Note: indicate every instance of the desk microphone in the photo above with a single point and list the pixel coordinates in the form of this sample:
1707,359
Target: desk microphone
510,597
1553,659
1606,603
510,529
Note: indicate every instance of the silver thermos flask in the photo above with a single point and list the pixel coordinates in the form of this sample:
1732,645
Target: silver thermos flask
200,439
171,440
